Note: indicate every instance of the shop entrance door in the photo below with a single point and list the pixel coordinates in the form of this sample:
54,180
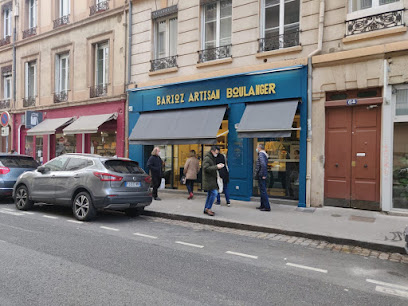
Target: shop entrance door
352,165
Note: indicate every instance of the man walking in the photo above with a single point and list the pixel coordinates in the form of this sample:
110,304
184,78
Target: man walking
261,173
210,169
154,164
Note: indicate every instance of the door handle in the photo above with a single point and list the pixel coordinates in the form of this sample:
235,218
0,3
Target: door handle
365,166
337,165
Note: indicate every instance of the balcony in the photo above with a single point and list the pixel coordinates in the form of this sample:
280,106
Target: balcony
163,63
214,53
61,21
374,22
99,90
29,101
61,96
5,104
276,42
5,41
30,32
99,7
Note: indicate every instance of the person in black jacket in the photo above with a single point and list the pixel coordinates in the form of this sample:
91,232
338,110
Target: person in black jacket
154,164
224,174
261,173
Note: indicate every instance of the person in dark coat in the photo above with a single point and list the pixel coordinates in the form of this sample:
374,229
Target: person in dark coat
210,168
154,165
224,174
261,173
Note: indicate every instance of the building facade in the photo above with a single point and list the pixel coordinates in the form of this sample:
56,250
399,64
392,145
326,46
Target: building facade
63,66
231,73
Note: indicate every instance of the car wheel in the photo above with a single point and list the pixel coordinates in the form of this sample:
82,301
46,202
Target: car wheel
82,207
23,201
134,212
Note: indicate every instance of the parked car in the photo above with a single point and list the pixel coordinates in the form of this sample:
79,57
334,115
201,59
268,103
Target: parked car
11,166
86,183
406,239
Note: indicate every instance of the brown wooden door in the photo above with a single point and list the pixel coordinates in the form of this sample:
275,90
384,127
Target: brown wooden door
353,157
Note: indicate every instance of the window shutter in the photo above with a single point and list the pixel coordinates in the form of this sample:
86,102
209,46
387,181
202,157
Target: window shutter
26,80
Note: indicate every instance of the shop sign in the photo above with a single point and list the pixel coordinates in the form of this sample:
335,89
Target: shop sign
5,118
351,101
33,119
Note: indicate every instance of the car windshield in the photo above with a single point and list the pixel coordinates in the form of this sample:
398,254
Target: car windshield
123,166
18,162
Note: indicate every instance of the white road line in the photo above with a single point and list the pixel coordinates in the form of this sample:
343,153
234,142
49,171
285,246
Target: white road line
391,291
190,244
306,267
2,241
110,228
27,213
386,284
75,221
242,255
50,217
13,213
145,236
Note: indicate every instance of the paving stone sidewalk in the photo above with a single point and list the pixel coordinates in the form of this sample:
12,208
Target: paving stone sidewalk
351,228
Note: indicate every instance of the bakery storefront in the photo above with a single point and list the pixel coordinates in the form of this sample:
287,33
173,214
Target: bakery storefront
96,129
236,112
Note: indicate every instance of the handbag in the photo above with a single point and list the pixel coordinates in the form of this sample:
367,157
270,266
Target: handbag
219,183
183,179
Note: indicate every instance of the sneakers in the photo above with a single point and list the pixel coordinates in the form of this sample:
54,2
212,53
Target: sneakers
228,204
157,199
190,196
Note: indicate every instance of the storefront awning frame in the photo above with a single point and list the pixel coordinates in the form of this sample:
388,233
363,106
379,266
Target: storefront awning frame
88,124
49,126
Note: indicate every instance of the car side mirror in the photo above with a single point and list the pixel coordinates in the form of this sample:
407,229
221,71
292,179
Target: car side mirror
43,169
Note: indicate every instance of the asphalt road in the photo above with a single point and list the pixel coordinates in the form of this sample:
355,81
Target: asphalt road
48,258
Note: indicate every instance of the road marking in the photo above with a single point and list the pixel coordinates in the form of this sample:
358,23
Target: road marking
2,241
386,284
190,244
392,291
109,228
242,255
75,221
13,213
27,213
306,267
50,217
145,236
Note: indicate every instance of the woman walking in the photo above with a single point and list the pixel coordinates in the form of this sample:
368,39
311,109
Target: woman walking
154,164
191,169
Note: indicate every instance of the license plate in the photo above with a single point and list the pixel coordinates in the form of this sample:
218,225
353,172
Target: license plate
133,184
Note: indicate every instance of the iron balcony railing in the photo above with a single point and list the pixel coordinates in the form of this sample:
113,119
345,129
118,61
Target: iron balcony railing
163,63
98,90
61,21
61,96
214,53
374,22
99,7
276,42
30,32
5,41
4,104
29,101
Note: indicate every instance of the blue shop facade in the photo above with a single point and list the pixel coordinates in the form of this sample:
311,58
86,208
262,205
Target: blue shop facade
236,112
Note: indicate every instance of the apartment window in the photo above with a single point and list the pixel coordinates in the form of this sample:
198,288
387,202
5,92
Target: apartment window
7,16
280,24
217,20
30,79
63,13
32,14
61,77
357,5
101,69
7,86
99,6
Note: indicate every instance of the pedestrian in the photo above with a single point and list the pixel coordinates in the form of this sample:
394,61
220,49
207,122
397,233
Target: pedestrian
224,174
154,164
210,168
191,169
261,174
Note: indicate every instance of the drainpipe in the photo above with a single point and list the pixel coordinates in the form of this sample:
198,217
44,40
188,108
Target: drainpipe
129,64
309,103
16,7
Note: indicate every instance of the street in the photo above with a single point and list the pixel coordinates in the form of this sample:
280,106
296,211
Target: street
49,258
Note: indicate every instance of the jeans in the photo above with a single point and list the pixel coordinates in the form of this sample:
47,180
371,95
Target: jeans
211,195
226,192
264,194
156,180
190,185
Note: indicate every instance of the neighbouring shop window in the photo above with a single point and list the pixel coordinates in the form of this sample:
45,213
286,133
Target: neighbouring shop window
65,144
400,167
283,164
104,143
29,145
39,149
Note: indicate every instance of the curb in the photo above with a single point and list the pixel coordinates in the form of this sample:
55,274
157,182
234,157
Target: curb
255,228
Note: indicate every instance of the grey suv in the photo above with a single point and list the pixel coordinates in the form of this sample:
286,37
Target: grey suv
87,183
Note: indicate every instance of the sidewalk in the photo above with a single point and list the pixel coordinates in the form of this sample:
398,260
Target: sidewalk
368,229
